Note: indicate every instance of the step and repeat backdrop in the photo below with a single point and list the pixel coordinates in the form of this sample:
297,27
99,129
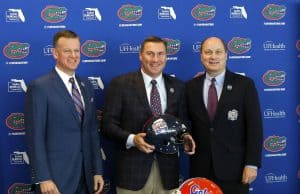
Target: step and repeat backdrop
263,40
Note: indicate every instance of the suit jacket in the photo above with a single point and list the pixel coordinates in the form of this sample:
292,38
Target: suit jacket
126,110
234,138
59,146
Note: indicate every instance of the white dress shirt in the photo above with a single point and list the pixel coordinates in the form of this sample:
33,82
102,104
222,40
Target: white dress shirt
65,78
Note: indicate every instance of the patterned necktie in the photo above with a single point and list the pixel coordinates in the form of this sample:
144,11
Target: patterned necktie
155,99
212,100
76,98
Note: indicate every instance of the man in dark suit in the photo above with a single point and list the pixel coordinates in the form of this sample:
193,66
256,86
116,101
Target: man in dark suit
139,168
227,128
62,133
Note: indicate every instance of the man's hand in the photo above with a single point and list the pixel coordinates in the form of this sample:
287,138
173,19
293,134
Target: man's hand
48,187
188,144
140,143
98,184
249,175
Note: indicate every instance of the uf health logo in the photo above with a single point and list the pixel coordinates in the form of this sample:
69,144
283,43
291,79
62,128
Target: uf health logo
93,48
274,78
203,12
274,12
239,45
130,12
54,14
195,189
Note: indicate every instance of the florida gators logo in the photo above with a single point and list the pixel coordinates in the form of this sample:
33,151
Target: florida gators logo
173,46
130,12
195,189
203,12
17,188
16,50
274,12
15,121
239,45
274,78
275,143
199,185
93,48
54,14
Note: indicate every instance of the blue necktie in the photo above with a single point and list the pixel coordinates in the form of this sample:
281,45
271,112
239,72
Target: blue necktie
212,100
155,99
77,99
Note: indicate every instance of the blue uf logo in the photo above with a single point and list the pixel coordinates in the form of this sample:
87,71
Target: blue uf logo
195,189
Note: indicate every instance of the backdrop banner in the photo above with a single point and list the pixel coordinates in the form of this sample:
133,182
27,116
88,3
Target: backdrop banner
263,41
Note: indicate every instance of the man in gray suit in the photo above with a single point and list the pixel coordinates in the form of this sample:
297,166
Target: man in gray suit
226,122
62,127
139,167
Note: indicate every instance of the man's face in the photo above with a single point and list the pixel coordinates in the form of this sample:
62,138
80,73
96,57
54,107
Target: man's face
153,58
67,54
213,56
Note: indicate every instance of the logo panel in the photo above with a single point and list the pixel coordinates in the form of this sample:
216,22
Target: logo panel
275,143
130,12
54,14
274,78
173,46
239,45
274,12
203,12
15,121
16,50
93,48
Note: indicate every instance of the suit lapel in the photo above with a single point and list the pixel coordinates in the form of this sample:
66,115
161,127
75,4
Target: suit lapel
199,95
141,91
171,91
61,89
227,87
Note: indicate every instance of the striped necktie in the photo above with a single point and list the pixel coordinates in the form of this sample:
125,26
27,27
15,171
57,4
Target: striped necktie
155,99
77,99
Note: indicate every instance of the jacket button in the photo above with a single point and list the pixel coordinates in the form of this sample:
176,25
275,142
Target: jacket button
211,129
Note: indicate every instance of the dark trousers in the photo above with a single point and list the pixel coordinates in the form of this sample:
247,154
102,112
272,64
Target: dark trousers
229,187
82,186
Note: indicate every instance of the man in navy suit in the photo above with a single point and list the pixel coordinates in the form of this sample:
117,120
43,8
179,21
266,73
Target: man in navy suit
139,167
229,139
63,143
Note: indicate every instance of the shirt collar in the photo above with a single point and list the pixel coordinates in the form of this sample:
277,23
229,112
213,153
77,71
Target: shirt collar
219,78
148,79
65,77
